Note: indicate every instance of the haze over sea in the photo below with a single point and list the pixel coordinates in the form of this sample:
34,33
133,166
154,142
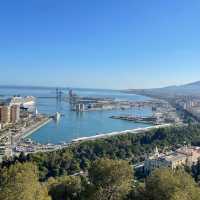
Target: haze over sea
74,125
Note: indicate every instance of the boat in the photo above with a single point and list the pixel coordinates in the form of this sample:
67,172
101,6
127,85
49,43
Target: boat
28,141
25,102
28,101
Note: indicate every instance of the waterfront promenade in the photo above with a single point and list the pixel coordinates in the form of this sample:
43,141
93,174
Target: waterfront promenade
54,147
134,131
25,132
28,131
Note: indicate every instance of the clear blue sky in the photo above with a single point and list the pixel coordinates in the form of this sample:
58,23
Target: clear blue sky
99,43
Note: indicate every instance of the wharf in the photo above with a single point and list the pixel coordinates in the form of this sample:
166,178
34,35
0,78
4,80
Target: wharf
146,120
28,131
34,148
106,135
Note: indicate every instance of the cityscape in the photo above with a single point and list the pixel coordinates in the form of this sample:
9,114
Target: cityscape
100,100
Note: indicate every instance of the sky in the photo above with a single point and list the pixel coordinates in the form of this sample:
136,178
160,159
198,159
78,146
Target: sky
114,44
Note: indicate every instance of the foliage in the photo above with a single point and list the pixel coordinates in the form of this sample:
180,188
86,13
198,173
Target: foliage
165,184
20,182
109,175
65,188
130,147
110,179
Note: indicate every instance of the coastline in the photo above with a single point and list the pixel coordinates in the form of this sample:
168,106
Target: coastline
105,135
35,127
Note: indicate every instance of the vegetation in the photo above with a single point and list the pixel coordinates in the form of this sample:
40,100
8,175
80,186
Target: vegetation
65,187
165,184
130,147
110,179
20,182
108,174
106,180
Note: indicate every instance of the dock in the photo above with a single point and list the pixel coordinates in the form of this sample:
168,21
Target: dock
35,127
136,119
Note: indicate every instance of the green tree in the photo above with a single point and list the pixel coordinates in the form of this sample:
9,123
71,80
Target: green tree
165,184
110,179
20,182
196,171
65,188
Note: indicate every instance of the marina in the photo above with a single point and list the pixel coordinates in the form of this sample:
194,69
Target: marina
31,124
28,146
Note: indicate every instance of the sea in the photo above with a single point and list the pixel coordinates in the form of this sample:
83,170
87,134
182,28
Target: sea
73,125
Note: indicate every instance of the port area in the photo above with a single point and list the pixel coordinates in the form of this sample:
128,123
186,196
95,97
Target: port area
13,138
162,113
132,131
21,142
39,123
136,119
82,104
28,146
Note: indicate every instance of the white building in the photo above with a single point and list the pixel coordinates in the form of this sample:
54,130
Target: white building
182,156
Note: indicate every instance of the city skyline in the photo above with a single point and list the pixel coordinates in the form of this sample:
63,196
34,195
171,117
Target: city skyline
99,44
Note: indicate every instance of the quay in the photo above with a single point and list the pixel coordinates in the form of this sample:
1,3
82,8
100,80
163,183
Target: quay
105,135
34,148
146,120
35,127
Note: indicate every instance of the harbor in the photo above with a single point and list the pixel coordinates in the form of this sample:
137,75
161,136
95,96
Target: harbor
52,124
29,146
132,131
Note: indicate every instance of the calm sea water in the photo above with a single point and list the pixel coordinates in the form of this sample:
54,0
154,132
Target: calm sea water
73,125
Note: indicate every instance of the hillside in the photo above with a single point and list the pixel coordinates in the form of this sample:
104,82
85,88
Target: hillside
186,89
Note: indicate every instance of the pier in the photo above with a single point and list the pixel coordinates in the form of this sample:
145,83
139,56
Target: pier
36,127
136,119
25,132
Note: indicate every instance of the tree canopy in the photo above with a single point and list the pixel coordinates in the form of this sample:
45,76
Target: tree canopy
20,182
110,179
65,188
166,184
109,165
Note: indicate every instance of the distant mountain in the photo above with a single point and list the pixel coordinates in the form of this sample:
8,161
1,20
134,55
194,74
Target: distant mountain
186,89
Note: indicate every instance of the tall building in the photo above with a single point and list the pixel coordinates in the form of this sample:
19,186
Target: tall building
5,114
14,113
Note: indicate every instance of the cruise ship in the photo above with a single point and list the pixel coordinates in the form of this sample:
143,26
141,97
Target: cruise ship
25,102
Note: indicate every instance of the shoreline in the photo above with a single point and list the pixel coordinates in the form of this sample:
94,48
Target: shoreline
106,135
54,147
30,130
